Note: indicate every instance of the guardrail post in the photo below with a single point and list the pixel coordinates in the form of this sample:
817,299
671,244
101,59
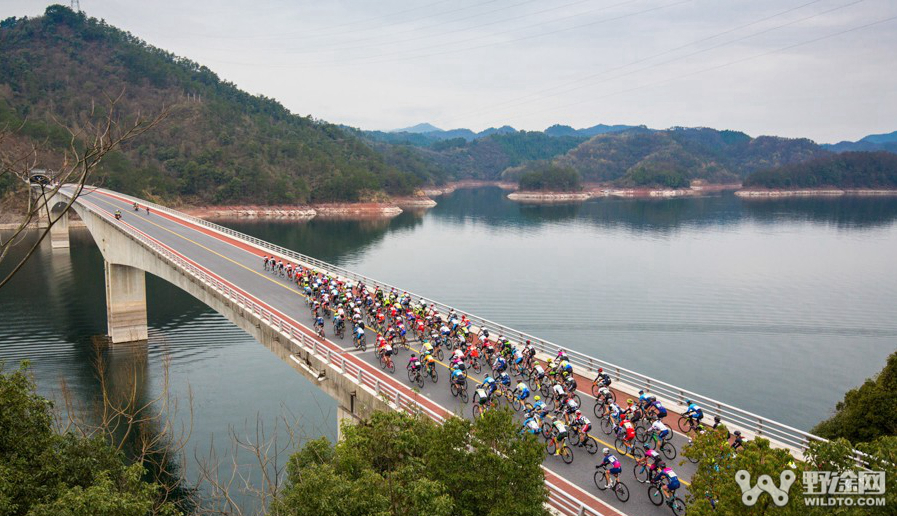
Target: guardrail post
342,365
377,387
618,373
329,356
759,426
398,400
359,376
582,510
647,385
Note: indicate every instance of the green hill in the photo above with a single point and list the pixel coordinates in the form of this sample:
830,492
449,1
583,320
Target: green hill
220,144
674,157
845,170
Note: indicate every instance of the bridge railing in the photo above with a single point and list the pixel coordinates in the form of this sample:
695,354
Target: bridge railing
300,339
735,418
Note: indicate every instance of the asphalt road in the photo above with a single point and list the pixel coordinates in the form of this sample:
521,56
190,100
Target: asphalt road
244,268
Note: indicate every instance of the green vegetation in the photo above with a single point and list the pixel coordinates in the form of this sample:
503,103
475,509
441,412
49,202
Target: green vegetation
715,475
541,175
219,145
865,421
846,170
644,176
44,473
397,464
867,412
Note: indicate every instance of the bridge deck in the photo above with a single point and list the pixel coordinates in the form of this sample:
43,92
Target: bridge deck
240,264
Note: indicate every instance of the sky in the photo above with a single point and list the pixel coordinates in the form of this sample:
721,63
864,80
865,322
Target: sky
822,69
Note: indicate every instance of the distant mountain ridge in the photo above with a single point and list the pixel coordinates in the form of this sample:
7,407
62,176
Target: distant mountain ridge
874,142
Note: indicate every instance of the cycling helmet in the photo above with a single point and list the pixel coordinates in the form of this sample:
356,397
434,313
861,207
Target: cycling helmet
646,446
538,398
413,355
578,412
629,401
738,433
605,451
688,402
661,465
641,392
600,369
716,419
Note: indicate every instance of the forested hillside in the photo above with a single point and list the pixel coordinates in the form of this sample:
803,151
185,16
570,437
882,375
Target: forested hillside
219,144
674,157
845,170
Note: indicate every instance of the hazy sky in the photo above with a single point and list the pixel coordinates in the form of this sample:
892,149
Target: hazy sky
783,67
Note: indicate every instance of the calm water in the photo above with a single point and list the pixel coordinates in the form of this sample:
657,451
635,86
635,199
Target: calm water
775,306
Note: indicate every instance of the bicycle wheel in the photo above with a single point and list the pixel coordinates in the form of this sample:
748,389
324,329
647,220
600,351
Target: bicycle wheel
463,395
595,391
516,404
364,345
684,424
668,450
382,362
411,376
578,400
620,446
600,481
455,390
606,426
655,495
574,438
476,366
621,491
598,409
546,429
641,434
477,410
439,354
551,447
591,446
391,367
678,506
641,473
434,375
567,455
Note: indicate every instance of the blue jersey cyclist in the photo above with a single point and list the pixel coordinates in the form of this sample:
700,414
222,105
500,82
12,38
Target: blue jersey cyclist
500,364
693,411
458,376
489,385
505,379
521,390
672,483
540,406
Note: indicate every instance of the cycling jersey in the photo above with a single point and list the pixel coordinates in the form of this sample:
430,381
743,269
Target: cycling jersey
673,480
613,462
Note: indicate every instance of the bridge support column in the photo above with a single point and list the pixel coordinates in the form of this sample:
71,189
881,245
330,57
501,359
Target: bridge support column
59,232
344,416
125,303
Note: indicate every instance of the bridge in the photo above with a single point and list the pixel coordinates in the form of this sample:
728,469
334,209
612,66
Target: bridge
223,269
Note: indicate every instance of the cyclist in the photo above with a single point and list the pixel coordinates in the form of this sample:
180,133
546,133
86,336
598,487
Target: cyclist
659,411
458,377
615,467
521,391
739,440
570,383
505,379
359,332
413,363
266,262
626,431
669,490
531,425
695,412
583,425
660,430
653,456
602,378
499,365
430,363
643,399
560,434
538,372
319,323
540,406
489,385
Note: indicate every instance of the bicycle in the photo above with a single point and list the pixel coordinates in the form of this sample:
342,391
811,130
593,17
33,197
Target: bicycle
601,482
664,445
591,445
657,496
565,452
387,363
642,470
319,329
688,423
628,448
339,328
415,376
430,370
482,402
360,342
459,390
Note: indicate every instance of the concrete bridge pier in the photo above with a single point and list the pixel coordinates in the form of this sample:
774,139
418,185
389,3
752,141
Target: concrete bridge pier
59,232
125,303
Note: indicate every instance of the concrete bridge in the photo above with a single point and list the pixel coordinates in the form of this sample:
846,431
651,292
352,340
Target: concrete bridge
223,269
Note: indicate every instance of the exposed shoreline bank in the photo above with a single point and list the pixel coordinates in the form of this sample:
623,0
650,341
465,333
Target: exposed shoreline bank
814,192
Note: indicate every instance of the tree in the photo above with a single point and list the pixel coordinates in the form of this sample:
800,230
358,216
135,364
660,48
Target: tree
46,473
867,412
396,463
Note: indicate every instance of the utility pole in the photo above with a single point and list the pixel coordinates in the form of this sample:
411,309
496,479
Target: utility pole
76,6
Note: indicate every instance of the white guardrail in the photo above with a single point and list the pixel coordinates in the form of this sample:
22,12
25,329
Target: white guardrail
561,500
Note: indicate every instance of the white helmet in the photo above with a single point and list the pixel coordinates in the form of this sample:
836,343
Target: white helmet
605,451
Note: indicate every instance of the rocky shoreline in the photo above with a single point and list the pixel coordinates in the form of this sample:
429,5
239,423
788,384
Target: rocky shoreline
435,191
549,197
812,192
